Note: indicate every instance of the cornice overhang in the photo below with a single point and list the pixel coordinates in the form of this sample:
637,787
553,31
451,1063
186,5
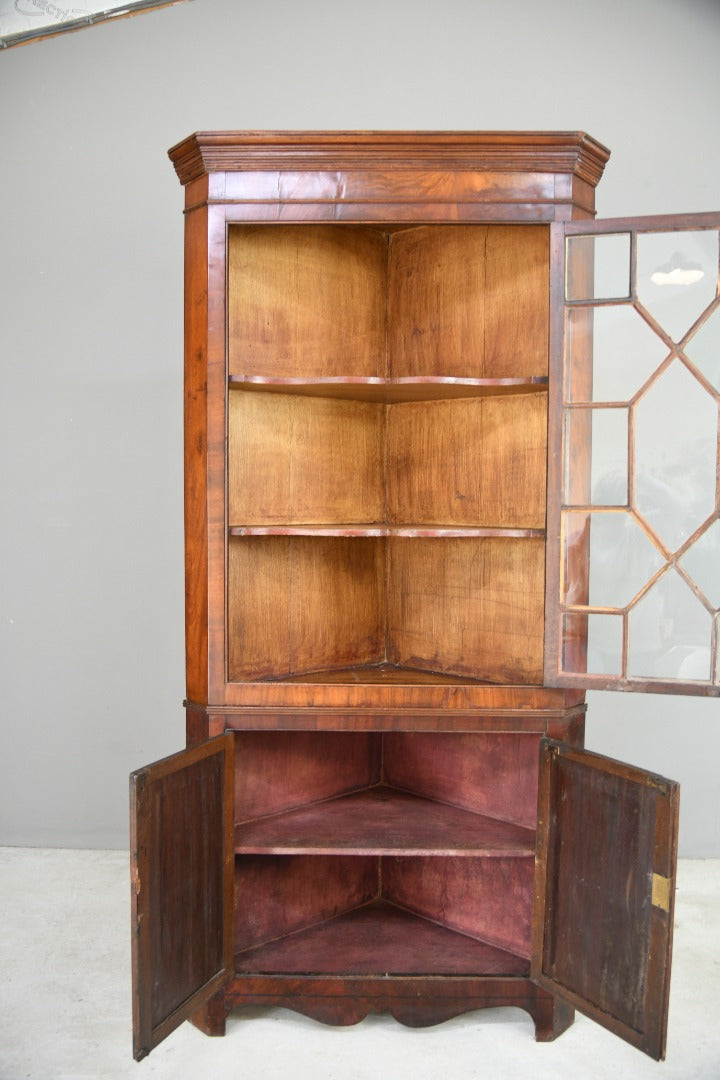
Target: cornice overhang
208,152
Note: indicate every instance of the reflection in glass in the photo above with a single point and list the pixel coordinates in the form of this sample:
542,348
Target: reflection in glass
676,453
625,353
669,632
703,349
613,549
598,267
603,480
677,275
702,563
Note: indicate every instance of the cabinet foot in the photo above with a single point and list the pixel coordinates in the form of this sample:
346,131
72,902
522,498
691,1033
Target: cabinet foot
211,1018
551,1017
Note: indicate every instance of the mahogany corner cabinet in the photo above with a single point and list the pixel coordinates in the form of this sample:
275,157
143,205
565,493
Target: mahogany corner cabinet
451,459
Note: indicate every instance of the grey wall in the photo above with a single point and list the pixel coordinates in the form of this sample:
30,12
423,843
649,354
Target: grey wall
91,295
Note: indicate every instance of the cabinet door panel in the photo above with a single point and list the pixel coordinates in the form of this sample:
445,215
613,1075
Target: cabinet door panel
604,891
633,573
181,851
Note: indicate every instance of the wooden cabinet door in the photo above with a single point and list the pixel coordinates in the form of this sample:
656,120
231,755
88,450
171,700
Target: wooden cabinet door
633,570
182,855
604,891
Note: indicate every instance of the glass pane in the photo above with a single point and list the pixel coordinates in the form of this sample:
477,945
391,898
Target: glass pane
604,635
598,267
602,480
613,551
669,632
676,453
625,353
702,563
704,349
677,275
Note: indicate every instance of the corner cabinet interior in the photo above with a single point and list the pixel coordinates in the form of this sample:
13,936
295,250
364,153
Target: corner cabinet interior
385,804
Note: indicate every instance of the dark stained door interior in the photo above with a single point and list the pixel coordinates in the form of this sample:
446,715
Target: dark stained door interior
181,850
605,881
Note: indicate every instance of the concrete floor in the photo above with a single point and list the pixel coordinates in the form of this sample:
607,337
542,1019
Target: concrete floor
65,1002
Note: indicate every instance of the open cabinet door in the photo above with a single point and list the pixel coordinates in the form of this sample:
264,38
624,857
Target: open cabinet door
604,891
633,570
181,852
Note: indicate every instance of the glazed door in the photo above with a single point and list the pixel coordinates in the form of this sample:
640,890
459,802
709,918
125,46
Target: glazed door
633,571
604,891
181,851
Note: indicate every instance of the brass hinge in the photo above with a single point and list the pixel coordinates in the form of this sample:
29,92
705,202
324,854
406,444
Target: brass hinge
661,892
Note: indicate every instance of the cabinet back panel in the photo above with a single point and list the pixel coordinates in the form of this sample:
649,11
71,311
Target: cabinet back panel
435,301
469,301
304,460
486,898
306,300
303,603
517,305
279,894
493,774
468,462
277,771
469,607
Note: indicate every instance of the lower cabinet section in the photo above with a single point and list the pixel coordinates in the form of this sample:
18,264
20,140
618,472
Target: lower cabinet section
425,874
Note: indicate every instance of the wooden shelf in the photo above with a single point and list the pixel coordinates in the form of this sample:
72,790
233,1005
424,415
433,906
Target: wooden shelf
379,939
383,821
372,674
390,390
477,532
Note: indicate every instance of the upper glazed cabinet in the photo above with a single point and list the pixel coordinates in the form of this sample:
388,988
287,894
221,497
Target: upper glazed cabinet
451,458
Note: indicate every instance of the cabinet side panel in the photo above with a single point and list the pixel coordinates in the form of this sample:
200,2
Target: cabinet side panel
196,478
304,460
276,771
435,301
489,899
469,462
306,301
493,774
279,894
472,607
517,301
304,603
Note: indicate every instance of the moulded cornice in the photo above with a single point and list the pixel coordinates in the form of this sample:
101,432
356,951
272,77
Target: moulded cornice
572,152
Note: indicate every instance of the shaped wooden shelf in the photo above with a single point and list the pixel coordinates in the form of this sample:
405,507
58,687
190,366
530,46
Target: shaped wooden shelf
380,939
390,390
383,821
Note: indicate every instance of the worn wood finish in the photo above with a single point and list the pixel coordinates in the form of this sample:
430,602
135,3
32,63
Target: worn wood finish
379,939
607,831
304,460
275,774
182,876
474,461
306,302
304,603
489,773
383,821
467,607
417,1001
517,301
277,895
488,898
